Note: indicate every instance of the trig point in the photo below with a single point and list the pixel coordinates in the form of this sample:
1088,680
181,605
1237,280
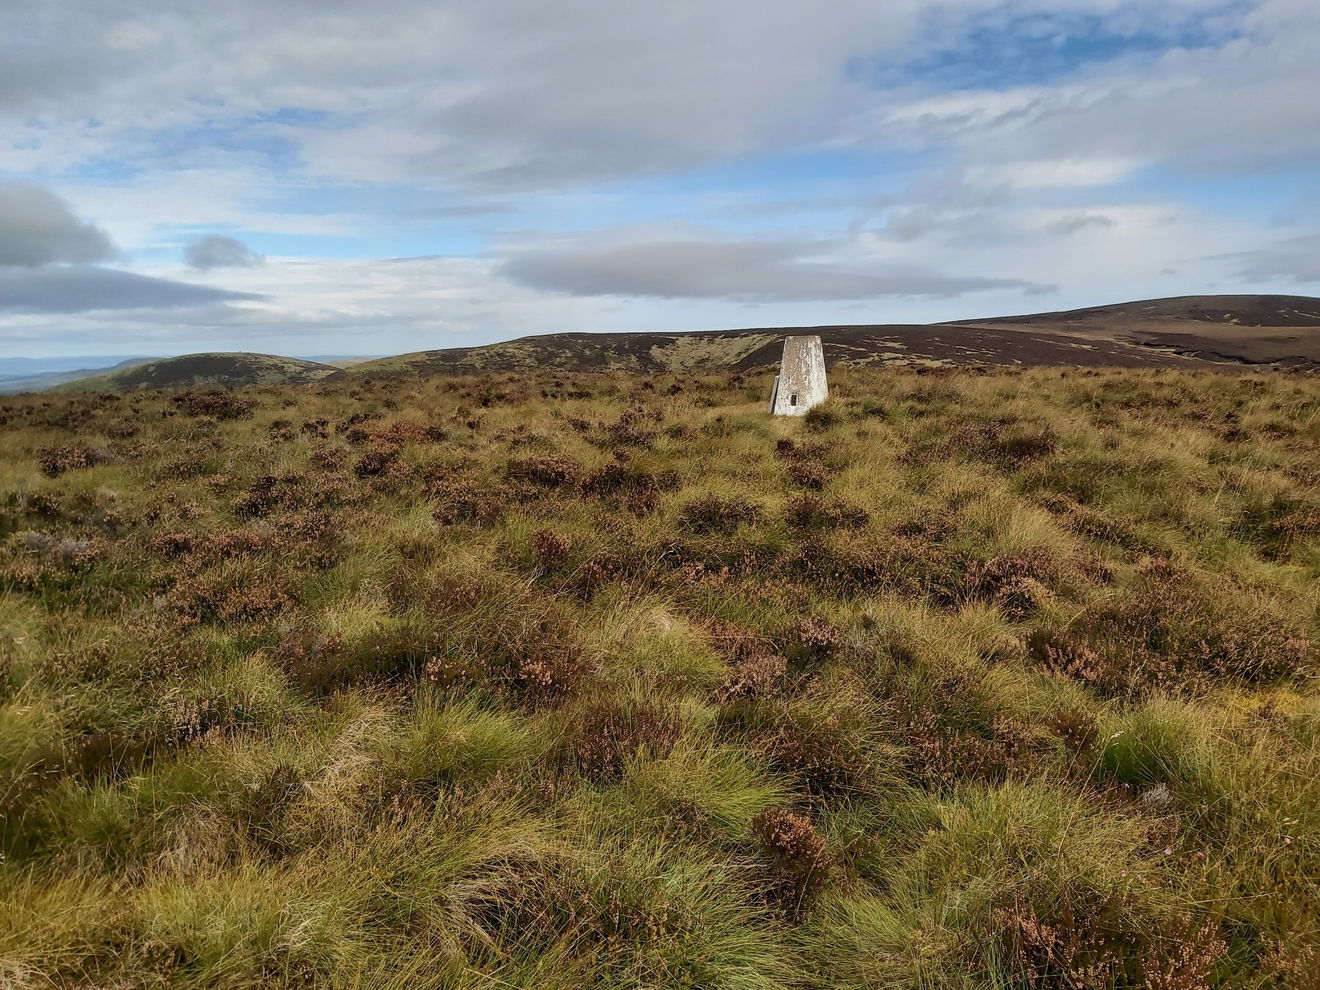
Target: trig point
800,383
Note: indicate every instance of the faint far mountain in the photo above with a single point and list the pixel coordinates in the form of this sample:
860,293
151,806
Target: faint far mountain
36,374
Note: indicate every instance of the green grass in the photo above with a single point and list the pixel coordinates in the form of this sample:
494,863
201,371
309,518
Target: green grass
999,680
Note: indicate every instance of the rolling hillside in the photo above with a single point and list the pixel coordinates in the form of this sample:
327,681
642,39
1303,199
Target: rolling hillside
1186,332
193,370
1247,329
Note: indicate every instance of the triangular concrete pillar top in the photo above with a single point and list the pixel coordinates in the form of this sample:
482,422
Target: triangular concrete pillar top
801,382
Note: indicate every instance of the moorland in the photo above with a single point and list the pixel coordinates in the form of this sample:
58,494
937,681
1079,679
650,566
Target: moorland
969,678
1184,332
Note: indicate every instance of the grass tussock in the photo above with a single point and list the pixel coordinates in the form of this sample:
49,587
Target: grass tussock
963,680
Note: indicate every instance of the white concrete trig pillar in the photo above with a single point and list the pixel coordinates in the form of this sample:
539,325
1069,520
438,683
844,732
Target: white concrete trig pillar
801,381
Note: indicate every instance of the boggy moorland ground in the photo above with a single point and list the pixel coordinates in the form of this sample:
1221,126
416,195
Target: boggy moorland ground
968,680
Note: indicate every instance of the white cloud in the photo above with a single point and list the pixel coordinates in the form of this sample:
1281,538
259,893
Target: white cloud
1056,173
515,93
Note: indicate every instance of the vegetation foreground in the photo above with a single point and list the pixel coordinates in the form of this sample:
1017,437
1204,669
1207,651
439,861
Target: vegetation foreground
969,679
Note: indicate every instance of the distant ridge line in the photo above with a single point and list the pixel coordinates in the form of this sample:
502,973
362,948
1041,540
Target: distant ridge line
1208,332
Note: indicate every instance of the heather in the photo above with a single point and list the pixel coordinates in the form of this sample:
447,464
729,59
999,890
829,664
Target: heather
966,679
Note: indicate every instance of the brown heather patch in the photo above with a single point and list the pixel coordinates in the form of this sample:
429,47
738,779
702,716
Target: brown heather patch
43,505
812,475
1018,585
65,551
271,493
310,539
1066,952
1076,727
1004,443
215,403
865,563
328,458
629,486
318,428
1176,632
54,461
1092,940
458,500
378,459
817,637
816,512
397,434
634,428
716,514
545,472
228,598
605,734
804,464
515,640
823,742
549,549
940,755
756,669
800,862
35,559
790,450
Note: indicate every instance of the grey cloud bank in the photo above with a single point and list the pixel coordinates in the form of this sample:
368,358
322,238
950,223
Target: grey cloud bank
1295,260
84,288
38,228
749,271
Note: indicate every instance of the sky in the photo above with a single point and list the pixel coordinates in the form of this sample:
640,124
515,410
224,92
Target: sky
318,177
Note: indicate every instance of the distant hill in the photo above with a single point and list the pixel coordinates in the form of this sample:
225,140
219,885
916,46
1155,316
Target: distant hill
742,350
29,375
1208,331
194,370
1182,332
1247,329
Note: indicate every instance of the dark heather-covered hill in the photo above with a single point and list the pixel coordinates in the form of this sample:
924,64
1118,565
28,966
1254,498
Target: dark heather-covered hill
1246,329
1190,332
